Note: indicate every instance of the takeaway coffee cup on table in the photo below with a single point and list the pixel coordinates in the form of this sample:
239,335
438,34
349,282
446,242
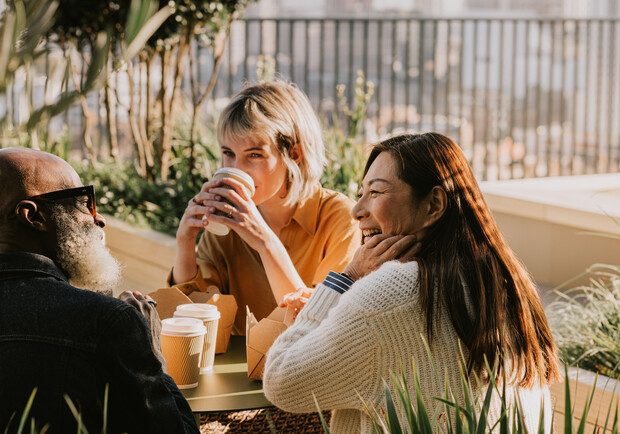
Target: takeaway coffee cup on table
209,315
181,345
238,175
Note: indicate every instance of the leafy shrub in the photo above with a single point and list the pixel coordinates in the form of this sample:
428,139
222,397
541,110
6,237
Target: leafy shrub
124,194
157,204
585,322
345,141
471,415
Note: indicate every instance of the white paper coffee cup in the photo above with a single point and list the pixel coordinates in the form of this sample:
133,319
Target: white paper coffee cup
209,315
182,340
238,175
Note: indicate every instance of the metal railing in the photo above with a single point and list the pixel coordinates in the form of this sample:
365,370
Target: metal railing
523,97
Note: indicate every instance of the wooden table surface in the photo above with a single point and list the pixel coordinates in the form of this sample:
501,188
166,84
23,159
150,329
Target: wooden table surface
227,387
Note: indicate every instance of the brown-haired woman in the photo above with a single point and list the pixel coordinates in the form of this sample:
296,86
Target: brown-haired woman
433,267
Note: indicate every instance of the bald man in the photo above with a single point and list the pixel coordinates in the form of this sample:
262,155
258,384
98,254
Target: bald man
61,335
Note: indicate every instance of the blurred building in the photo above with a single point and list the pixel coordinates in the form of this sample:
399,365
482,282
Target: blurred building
365,8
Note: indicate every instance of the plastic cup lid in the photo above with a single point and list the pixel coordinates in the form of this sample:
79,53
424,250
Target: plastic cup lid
240,175
202,311
217,228
182,327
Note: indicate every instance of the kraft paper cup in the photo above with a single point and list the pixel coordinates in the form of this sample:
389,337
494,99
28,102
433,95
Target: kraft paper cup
209,315
238,175
181,345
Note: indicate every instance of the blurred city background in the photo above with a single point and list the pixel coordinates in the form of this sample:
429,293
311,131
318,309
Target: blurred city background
527,87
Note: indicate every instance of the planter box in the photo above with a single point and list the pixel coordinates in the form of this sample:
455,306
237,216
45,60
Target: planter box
607,394
146,255
548,222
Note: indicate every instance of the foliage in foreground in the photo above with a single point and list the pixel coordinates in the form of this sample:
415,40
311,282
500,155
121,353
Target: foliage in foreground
124,194
451,417
585,321
471,415
31,426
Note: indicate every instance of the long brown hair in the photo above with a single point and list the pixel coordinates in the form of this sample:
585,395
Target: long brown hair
465,247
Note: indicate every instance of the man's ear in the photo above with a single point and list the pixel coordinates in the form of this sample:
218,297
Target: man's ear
29,213
295,153
436,203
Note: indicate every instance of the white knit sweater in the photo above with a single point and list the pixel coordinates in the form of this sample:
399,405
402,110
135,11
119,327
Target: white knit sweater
342,345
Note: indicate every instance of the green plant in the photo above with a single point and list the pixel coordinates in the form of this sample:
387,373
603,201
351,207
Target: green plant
345,142
124,194
470,416
173,45
158,204
585,321
81,429
26,24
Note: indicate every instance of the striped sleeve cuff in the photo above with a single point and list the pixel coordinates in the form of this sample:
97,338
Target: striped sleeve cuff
337,282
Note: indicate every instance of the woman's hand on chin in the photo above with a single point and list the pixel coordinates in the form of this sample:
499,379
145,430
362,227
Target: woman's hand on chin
380,249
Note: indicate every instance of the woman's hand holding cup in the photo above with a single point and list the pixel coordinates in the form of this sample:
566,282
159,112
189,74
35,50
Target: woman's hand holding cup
239,213
193,219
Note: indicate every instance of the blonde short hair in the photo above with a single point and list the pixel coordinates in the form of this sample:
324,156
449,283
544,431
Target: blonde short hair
278,113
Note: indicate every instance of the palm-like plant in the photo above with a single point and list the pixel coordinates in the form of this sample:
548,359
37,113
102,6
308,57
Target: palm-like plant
586,321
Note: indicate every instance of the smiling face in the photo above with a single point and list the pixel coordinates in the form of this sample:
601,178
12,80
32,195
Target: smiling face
263,163
387,204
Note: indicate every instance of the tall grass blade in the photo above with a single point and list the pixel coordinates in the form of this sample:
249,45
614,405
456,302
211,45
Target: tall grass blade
581,429
611,405
422,413
430,357
568,412
458,421
484,411
323,423
391,414
541,420
147,29
98,62
614,427
405,398
104,429
272,426
139,12
6,429
22,421
447,405
76,414
469,411
372,413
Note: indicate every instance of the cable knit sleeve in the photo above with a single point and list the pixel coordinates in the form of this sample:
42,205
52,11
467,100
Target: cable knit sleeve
321,354
333,350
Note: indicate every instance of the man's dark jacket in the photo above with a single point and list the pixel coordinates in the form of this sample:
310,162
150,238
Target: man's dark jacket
65,341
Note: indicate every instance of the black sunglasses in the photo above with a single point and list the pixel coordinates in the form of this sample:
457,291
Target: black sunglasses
87,206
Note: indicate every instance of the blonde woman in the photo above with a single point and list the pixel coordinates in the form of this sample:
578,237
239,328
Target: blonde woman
291,233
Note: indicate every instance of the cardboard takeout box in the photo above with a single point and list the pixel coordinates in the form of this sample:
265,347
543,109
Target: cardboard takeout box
260,335
169,298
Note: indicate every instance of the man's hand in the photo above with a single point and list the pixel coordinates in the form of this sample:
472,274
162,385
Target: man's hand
139,301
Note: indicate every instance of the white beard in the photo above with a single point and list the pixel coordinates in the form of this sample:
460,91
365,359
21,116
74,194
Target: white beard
82,254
